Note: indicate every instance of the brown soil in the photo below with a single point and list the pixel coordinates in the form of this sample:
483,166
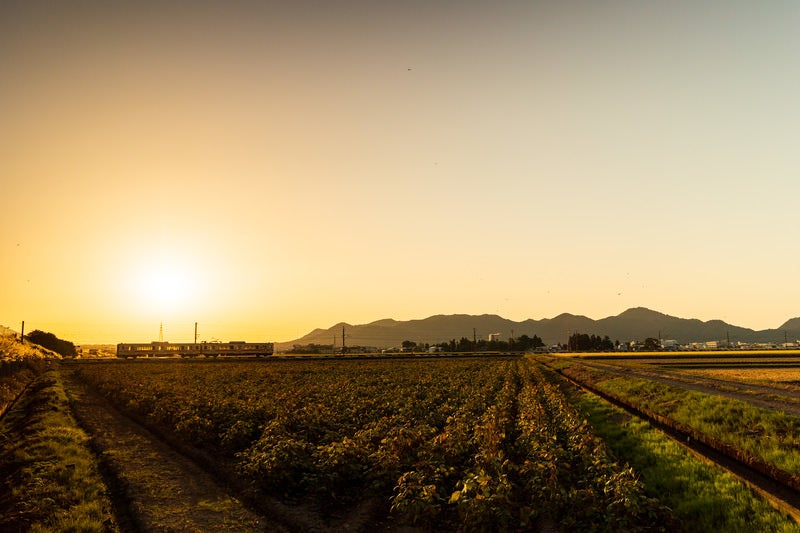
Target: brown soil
156,488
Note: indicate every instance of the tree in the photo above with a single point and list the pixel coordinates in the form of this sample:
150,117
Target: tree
465,345
51,342
409,346
525,343
652,345
582,342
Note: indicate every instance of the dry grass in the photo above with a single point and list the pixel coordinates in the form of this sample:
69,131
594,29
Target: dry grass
13,350
751,375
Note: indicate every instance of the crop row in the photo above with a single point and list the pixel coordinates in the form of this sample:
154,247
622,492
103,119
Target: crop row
477,444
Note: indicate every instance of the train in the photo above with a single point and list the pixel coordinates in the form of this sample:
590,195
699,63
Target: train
127,350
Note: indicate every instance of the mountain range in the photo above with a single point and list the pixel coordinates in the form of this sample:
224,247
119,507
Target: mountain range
635,324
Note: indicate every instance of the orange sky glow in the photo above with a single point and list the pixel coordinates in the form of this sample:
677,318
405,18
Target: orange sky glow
267,168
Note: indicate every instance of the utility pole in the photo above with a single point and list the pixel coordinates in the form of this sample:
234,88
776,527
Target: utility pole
344,348
22,334
474,338
195,332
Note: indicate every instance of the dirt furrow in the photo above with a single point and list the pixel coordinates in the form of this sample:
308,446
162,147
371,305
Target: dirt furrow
159,489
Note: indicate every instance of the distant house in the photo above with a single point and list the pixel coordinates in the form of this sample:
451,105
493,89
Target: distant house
669,344
494,337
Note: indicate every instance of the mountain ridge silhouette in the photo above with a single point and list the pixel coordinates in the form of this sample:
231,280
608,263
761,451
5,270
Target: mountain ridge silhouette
634,324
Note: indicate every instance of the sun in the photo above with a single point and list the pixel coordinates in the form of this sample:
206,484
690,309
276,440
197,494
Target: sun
165,286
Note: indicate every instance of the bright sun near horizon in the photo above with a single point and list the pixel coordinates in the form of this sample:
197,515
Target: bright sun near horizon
165,287
267,168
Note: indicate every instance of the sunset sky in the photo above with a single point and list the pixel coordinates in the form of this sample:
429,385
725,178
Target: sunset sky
267,168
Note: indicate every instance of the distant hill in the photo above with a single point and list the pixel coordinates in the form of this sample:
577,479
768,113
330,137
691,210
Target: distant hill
792,325
633,324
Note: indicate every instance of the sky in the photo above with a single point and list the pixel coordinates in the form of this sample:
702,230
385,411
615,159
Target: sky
268,168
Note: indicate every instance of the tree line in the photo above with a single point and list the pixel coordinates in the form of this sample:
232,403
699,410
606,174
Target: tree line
582,342
523,343
578,342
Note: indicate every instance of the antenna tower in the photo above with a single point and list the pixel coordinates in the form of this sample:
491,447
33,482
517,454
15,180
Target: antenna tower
161,332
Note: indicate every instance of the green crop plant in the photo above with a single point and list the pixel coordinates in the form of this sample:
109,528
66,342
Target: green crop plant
459,444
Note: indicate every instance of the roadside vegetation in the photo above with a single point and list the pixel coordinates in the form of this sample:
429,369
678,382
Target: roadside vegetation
49,478
699,493
20,363
770,435
11,349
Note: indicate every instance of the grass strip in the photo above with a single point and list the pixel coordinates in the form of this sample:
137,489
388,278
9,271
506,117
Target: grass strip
770,435
50,479
704,497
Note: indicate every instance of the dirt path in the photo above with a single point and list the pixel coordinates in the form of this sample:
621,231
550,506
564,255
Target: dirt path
157,488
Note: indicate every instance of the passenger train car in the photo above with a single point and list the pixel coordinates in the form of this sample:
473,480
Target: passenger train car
187,349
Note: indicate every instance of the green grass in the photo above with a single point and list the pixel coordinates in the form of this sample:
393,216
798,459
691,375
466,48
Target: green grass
771,435
704,497
50,475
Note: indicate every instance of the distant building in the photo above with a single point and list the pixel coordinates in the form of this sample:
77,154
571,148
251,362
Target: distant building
669,344
494,337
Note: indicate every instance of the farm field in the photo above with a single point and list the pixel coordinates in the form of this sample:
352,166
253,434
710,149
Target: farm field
771,376
459,444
